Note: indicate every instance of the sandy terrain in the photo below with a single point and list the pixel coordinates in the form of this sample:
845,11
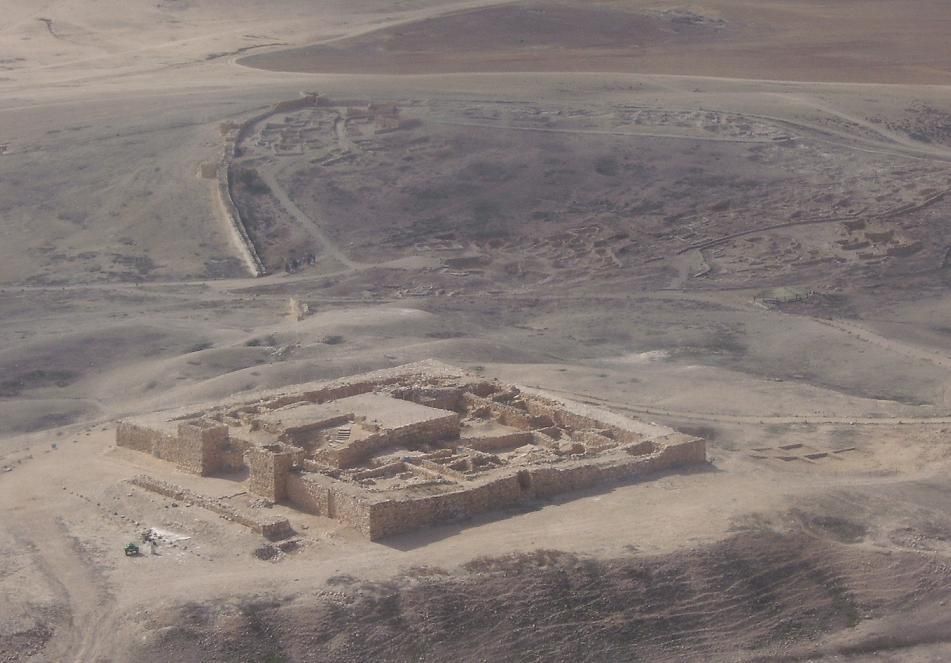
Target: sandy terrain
728,216
878,41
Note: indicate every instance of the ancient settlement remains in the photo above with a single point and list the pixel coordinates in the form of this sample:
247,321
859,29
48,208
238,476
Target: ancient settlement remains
407,447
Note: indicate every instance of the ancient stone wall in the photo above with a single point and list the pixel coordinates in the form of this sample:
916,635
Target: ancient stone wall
239,232
551,481
562,417
396,516
270,526
358,450
390,517
140,438
308,493
291,105
198,449
324,394
323,496
506,414
442,398
232,454
611,447
351,509
682,449
302,433
269,467
498,442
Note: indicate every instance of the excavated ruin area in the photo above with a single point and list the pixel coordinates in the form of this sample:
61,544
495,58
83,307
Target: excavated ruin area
403,448
481,193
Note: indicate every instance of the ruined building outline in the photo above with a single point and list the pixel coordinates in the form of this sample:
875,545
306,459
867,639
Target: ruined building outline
403,448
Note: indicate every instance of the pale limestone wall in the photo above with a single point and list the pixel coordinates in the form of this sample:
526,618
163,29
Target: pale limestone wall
269,469
554,480
683,449
561,417
269,526
391,517
317,392
239,233
507,415
166,448
497,442
140,438
308,494
294,104
198,450
323,496
397,516
498,494
304,430
440,469
589,416
330,392
641,448
232,454
358,450
351,509
442,398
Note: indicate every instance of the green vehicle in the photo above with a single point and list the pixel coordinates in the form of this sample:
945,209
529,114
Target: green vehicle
131,550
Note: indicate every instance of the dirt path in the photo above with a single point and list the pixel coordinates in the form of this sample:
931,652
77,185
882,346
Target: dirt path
886,135
340,130
604,132
889,344
887,214
329,246
713,417
90,606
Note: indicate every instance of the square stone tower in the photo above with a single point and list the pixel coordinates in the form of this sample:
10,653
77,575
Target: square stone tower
269,466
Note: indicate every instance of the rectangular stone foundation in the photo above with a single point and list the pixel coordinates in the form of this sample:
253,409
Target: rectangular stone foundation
268,526
400,449
379,518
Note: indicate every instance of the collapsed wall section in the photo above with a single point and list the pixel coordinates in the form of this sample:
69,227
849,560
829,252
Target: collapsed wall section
272,527
378,517
355,452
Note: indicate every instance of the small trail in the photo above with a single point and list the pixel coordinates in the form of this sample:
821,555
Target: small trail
889,344
889,137
329,246
715,417
603,132
87,632
901,210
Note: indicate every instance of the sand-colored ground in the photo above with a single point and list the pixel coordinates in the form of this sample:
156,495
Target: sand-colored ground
739,251
868,42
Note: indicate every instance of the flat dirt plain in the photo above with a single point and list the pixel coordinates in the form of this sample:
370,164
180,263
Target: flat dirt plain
730,217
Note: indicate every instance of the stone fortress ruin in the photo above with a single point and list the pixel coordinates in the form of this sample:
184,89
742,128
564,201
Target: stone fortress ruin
408,447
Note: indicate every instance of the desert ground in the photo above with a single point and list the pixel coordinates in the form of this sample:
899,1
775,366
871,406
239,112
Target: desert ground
729,217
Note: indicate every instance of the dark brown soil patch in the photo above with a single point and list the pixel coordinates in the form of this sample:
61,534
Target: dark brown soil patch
757,596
